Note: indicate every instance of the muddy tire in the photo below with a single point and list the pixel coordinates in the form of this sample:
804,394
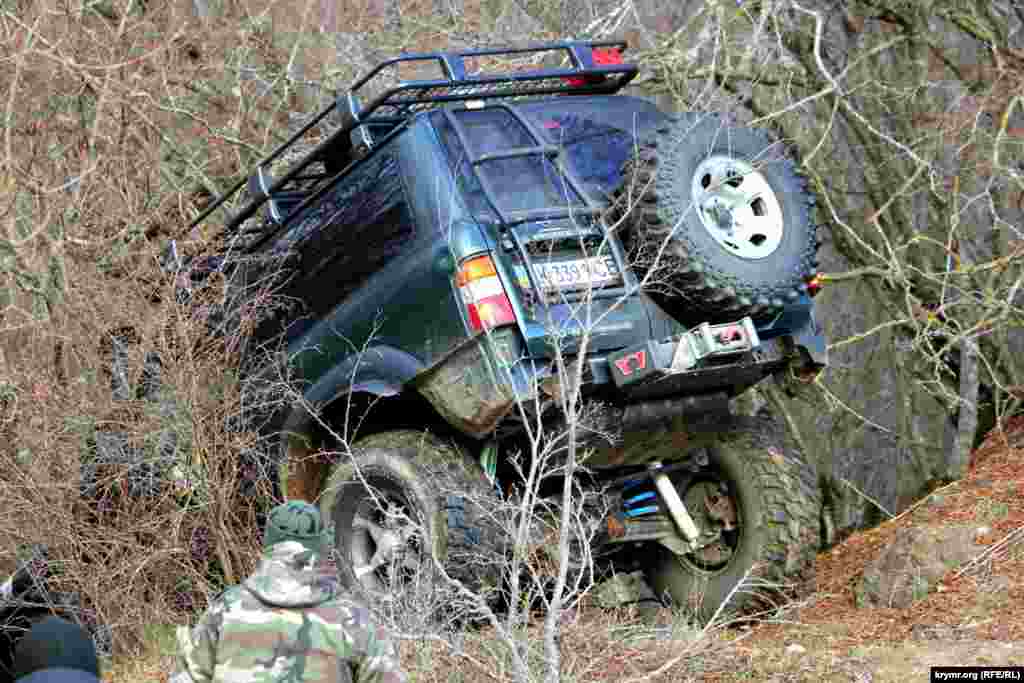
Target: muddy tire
444,493
729,214
777,503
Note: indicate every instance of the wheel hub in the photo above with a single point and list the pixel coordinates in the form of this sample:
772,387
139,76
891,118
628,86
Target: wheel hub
391,542
737,207
715,513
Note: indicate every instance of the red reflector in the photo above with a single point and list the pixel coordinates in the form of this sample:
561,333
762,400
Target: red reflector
626,363
813,286
606,55
490,312
602,56
474,318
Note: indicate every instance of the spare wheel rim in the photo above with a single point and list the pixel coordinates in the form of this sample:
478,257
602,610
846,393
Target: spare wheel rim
737,207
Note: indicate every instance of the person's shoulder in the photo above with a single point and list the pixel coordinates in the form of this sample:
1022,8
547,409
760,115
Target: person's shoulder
345,602
229,604
59,676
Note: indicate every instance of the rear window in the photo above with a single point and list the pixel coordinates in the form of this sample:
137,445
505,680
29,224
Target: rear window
594,152
520,183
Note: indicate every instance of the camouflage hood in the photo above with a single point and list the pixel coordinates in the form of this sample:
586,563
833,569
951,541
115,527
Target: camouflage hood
287,576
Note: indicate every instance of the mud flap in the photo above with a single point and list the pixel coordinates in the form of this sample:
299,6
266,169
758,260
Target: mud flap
811,338
468,390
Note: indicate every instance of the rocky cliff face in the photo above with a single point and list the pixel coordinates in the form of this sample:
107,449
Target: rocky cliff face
883,433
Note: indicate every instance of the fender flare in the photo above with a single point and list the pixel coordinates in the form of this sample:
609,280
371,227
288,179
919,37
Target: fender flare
381,371
811,337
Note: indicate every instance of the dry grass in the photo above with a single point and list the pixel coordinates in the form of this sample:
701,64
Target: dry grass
120,119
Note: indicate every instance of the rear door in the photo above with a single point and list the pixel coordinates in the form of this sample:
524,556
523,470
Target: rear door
564,273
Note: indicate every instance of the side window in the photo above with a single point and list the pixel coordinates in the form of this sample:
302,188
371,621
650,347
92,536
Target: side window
358,228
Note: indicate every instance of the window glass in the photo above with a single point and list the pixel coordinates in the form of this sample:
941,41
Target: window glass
462,170
594,152
519,183
352,233
528,182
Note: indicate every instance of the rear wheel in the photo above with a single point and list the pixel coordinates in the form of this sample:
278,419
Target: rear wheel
761,500
405,500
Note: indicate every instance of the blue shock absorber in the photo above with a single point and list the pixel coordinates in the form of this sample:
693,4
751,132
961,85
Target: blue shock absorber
632,506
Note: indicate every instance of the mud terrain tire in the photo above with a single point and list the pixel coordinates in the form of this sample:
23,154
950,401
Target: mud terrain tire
448,493
688,185
778,502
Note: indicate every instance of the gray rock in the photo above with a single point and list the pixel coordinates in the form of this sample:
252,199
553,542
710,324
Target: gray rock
914,562
623,589
997,584
931,632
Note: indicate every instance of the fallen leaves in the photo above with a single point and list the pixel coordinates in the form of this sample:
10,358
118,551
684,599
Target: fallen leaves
993,486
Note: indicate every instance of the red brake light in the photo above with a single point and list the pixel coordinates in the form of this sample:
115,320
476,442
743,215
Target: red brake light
606,55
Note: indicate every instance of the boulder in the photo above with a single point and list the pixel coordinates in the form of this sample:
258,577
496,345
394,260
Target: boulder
624,589
916,560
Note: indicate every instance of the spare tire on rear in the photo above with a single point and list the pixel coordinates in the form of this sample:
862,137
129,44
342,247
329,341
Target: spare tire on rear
718,220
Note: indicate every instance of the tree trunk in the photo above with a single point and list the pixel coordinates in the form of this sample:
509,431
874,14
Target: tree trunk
967,423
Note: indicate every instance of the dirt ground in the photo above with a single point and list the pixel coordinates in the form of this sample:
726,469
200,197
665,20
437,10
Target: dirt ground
973,618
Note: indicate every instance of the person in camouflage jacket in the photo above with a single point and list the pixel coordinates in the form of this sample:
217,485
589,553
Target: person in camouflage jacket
288,622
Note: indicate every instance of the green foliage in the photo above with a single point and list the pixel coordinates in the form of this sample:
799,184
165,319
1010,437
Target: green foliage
83,426
919,587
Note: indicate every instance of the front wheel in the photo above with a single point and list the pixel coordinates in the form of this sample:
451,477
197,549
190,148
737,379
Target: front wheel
761,501
406,503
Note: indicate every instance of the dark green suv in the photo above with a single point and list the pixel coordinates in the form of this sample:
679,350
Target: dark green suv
434,254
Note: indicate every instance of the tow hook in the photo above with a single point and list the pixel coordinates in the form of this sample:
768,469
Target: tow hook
676,508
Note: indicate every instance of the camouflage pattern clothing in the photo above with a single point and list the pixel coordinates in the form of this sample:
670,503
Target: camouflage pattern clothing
287,623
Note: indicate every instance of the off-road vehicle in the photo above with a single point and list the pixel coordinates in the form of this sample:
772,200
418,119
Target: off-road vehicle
438,248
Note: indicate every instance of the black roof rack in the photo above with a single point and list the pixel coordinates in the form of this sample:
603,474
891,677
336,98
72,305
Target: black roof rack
397,104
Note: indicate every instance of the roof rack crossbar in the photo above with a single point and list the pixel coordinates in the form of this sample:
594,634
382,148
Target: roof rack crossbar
407,98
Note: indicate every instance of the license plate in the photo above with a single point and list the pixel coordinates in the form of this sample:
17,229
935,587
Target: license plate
596,271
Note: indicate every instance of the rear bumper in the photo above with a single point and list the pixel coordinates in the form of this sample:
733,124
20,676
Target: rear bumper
731,376
477,385
719,370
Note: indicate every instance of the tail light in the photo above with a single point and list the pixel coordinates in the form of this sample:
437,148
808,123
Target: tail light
484,297
602,56
814,284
